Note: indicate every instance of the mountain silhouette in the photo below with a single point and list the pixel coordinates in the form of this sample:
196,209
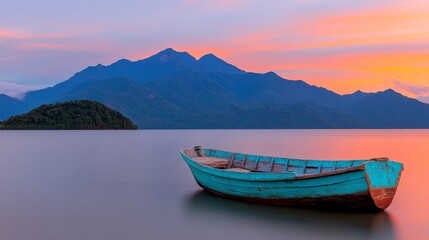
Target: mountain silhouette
173,89
10,106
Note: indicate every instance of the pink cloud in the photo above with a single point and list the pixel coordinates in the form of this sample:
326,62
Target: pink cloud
8,34
424,99
418,91
411,88
219,4
20,35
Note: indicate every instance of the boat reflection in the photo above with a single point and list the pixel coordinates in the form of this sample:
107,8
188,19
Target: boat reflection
325,224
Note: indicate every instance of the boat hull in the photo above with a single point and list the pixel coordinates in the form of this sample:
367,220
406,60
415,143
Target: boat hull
360,201
345,191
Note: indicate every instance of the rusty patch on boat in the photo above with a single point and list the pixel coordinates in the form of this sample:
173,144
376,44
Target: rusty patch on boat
382,197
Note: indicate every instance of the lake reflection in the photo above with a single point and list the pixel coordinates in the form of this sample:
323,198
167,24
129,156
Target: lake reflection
102,185
296,223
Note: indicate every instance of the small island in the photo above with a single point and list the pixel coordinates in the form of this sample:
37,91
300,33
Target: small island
73,115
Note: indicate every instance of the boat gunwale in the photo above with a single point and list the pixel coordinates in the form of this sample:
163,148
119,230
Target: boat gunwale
345,170
298,159
278,176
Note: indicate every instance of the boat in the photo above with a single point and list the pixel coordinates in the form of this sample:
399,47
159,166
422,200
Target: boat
343,185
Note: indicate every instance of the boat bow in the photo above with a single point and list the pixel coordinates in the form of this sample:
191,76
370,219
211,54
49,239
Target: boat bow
383,179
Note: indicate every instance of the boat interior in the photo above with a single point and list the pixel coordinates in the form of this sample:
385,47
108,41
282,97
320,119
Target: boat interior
240,162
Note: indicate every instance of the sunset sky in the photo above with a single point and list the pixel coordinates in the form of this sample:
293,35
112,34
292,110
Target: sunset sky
342,45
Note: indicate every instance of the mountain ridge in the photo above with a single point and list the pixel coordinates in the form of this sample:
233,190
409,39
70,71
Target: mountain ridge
175,90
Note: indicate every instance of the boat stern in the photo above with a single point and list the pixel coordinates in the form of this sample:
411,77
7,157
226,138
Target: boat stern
383,178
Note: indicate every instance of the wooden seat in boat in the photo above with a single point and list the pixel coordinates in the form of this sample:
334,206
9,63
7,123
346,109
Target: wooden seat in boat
212,161
238,170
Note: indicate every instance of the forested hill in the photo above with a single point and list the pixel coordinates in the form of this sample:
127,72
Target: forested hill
82,114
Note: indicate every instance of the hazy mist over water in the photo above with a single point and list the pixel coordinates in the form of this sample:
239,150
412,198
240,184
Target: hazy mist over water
134,185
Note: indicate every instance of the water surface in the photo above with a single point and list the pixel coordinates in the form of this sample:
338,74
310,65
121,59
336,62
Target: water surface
102,185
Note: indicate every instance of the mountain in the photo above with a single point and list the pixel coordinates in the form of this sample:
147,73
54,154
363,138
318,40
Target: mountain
10,106
211,63
83,114
389,109
175,90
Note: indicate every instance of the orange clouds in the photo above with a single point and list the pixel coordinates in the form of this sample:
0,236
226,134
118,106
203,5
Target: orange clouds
357,49
398,49
391,23
368,71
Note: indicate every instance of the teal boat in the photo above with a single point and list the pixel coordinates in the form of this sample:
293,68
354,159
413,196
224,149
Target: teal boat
360,185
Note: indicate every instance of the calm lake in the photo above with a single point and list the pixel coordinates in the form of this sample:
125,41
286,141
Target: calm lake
120,185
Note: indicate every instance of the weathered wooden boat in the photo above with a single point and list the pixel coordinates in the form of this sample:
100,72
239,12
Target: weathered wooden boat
346,185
